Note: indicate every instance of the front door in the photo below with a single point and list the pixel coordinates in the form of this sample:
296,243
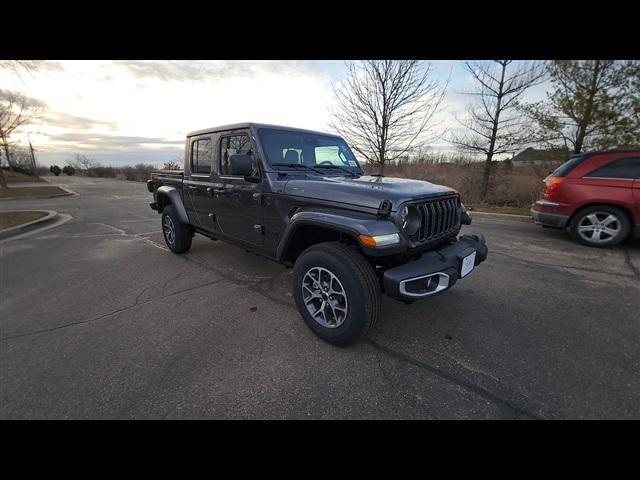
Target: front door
237,202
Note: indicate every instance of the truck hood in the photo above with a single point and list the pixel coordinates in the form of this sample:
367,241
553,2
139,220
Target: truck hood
365,191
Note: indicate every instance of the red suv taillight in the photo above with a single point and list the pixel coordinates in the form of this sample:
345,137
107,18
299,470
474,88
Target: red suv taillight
551,187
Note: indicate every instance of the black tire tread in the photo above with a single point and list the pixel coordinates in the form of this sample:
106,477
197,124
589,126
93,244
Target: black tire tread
184,233
363,272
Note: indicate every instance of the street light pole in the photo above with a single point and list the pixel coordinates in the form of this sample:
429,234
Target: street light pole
33,159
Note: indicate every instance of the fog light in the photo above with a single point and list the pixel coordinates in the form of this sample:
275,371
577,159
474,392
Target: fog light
425,285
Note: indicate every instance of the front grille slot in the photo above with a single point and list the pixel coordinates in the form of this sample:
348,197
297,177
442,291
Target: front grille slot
439,218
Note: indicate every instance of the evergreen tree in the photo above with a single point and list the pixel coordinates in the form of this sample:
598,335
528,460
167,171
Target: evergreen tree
592,104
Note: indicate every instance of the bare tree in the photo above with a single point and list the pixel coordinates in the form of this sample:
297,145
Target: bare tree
83,163
172,165
386,107
494,124
15,111
17,66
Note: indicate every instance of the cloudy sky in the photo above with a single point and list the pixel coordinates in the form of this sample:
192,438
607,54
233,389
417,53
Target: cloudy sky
126,112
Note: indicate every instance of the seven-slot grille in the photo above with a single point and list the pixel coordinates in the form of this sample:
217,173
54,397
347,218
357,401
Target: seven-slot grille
439,218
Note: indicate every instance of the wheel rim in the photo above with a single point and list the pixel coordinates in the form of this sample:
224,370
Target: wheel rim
324,297
169,230
598,227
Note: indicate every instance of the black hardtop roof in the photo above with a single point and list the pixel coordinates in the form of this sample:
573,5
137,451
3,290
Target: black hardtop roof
237,126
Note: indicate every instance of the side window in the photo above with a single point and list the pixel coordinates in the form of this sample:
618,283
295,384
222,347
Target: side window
233,145
621,168
202,156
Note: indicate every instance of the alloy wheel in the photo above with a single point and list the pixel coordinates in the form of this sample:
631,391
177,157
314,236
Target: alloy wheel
598,227
169,230
324,297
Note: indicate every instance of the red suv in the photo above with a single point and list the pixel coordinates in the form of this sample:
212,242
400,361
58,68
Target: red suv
596,195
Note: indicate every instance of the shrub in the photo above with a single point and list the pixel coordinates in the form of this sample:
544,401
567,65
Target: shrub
55,170
172,165
69,170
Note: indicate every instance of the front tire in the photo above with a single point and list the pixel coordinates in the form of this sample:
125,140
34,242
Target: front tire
600,226
177,235
337,292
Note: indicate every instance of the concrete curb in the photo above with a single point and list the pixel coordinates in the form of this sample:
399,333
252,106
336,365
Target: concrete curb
502,216
26,227
68,193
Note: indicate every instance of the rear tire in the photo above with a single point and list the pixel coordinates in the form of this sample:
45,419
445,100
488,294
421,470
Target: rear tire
600,226
337,292
177,235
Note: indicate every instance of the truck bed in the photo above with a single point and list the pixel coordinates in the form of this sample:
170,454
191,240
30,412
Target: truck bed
164,177
168,174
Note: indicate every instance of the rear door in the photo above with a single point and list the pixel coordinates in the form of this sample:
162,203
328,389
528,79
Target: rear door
617,180
237,202
198,184
636,190
614,179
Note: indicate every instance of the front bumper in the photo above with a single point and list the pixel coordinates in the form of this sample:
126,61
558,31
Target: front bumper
435,271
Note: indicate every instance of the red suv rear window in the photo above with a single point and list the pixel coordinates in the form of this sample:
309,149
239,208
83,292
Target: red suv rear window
564,169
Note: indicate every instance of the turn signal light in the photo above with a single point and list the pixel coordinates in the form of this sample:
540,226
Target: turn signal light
379,240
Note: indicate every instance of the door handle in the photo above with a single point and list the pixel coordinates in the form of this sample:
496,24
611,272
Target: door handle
191,187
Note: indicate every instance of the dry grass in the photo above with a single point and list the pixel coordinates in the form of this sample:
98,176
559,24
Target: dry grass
30,192
522,210
12,219
17,177
511,188
138,173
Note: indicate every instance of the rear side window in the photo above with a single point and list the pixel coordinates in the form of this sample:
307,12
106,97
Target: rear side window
202,156
233,145
621,168
564,169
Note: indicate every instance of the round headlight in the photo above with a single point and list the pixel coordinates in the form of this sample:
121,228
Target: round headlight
410,219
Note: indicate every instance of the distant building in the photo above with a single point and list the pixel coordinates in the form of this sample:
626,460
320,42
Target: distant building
531,156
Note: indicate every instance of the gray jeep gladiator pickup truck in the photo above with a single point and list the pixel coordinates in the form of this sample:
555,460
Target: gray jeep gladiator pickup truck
301,198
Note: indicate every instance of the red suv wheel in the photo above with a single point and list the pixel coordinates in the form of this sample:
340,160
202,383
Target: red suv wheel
600,226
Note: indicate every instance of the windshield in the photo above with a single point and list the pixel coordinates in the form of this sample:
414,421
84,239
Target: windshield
290,148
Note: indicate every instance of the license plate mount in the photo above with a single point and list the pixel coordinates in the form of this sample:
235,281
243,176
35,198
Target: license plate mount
467,264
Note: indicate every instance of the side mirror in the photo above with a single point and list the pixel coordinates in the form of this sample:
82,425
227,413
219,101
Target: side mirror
244,166
252,178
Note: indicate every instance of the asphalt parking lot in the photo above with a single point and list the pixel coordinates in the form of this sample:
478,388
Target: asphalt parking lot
99,320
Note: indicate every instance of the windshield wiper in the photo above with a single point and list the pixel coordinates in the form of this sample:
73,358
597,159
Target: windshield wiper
339,168
296,165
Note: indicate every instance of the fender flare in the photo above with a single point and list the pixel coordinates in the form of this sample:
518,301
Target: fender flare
166,195
347,224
